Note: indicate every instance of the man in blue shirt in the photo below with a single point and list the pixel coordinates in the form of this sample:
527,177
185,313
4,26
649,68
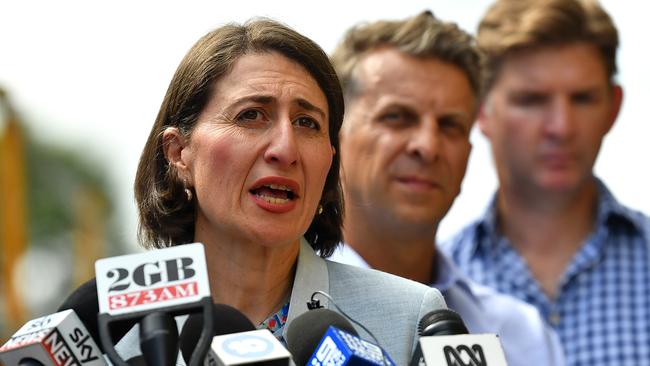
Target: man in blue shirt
554,236
411,91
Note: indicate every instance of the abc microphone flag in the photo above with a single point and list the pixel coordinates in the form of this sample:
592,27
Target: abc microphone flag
153,287
52,340
463,350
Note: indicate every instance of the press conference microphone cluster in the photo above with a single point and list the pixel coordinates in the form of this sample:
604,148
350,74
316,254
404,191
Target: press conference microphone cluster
445,341
52,340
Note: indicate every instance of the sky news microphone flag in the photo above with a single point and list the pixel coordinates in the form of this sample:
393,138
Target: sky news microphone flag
52,340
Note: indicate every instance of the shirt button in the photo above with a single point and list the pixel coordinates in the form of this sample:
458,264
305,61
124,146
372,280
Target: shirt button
554,318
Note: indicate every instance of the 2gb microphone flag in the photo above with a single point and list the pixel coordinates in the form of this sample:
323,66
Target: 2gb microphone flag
151,280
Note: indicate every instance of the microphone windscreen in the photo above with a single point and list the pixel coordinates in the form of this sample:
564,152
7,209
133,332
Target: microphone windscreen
136,361
227,320
84,303
441,322
307,330
29,362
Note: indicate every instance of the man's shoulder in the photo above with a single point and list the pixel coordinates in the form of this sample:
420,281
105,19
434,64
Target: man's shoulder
506,309
523,333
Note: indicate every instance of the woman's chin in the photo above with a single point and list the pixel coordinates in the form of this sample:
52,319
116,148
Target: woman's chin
275,239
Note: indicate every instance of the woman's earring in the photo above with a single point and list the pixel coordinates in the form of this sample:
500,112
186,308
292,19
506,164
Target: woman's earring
320,209
188,192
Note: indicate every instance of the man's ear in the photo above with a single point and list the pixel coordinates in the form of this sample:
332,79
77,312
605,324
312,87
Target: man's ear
617,101
482,119
173,144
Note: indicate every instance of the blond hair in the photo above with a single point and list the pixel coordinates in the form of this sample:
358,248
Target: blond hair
421,36
510,26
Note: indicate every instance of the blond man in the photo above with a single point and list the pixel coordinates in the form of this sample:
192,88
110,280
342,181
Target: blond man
554,235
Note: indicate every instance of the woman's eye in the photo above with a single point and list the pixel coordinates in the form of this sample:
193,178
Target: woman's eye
307,122
249,115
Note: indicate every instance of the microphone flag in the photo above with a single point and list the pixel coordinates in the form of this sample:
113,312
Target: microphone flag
172,280
53,340
463,350
338,347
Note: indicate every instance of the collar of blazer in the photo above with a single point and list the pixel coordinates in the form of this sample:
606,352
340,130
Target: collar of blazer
311,275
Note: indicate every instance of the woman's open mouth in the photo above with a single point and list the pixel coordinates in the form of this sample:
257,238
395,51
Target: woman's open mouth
275,194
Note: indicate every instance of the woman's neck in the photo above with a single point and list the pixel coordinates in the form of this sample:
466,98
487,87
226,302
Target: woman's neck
255,279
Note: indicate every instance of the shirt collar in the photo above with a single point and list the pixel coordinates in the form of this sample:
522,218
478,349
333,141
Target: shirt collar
449,276
610,213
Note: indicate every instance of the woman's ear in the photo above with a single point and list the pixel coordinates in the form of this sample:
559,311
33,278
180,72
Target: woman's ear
173,144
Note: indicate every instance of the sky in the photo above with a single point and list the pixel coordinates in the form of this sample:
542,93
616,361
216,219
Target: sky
90,76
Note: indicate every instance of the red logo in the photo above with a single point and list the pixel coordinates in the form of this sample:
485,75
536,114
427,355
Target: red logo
150,296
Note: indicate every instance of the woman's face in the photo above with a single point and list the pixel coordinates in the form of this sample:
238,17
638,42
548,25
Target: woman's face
259,154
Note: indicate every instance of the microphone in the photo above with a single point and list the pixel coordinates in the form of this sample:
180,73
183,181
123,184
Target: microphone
324,337
226,320
256,347
159,339
445,340
84,303
52,340
236,340
151,288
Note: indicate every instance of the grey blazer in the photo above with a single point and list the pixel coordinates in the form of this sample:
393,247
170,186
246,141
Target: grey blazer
389,306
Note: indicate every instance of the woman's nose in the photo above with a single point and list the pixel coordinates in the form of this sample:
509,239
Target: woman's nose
282,148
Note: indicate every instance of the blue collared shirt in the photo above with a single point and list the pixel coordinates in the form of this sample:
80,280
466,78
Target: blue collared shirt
602,311
526,340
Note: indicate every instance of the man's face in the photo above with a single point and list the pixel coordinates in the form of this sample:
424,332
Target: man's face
546,117
405,138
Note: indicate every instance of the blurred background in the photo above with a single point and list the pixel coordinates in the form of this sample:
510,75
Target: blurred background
81,83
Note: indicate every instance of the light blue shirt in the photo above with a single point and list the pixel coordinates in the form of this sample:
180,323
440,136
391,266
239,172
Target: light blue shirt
602,310
525,338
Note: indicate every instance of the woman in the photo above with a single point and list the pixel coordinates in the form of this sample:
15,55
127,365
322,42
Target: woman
243,158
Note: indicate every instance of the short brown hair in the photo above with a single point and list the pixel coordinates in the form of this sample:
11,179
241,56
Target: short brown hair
166,216
421,36
510,26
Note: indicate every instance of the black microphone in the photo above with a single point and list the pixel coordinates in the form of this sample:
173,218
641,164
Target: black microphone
306,331
226,319
159,339
235,342
84,303
324,337
445,340
439,322
29,362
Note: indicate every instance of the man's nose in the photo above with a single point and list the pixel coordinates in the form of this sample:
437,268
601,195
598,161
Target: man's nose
560,121
424,140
